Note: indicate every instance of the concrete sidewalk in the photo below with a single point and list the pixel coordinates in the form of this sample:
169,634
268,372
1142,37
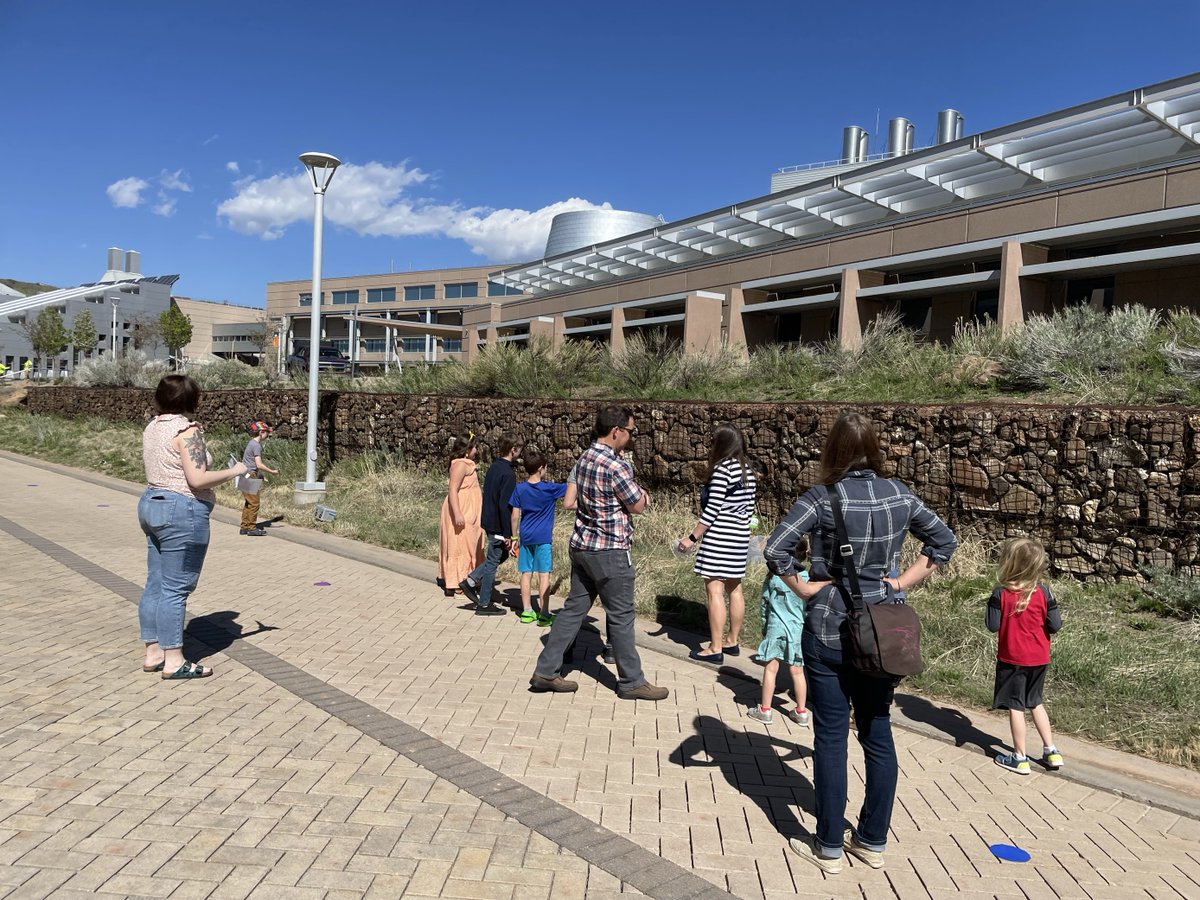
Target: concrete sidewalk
369,738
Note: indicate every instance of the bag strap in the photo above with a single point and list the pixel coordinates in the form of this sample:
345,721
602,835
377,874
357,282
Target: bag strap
845,550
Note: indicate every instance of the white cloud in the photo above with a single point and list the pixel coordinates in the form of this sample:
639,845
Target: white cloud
232,166
377,200
165,206
174,181
210,140
126,192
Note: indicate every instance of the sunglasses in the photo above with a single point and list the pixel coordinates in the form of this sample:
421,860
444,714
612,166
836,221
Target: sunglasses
632,432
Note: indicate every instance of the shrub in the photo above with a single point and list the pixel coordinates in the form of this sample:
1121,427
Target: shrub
228,373
1074,346
1170,594
646,364
132,369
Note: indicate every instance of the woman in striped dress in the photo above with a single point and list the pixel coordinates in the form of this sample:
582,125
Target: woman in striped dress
723,533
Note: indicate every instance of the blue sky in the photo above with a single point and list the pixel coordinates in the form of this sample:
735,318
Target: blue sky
173,128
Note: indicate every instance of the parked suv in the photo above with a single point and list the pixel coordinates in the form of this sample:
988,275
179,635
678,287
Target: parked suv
331,360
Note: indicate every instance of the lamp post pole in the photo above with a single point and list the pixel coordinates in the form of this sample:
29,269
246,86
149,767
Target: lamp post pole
113,349
321,167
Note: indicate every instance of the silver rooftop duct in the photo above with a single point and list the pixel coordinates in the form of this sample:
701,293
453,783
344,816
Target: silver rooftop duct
854,144
901,133
115,262
133,262
949,126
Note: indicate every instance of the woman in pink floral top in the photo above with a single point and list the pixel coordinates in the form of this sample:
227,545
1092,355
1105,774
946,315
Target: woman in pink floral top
173,513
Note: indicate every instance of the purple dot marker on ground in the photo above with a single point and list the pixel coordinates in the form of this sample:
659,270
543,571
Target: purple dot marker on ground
320,584
101,504
1009,853
31,485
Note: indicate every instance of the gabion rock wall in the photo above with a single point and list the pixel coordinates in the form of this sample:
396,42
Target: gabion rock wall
1109,490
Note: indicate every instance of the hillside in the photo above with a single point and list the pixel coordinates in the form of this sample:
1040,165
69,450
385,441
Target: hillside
27,287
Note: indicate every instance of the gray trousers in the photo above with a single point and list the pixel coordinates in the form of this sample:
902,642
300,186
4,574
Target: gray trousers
608,573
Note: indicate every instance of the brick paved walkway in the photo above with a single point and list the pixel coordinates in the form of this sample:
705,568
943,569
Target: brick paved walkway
320,760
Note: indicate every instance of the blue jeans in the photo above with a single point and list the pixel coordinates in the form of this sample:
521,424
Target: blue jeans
177,531
834,685
484,574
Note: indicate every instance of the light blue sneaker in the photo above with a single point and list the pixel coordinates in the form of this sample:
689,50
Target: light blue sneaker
1014,763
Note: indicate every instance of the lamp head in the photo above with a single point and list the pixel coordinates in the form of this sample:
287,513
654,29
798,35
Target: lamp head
321,167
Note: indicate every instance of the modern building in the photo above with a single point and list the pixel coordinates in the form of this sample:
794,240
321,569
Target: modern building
223,330
121,300
402,317
379,320
1097,204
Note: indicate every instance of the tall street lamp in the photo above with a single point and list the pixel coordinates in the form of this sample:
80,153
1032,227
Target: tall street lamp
321,167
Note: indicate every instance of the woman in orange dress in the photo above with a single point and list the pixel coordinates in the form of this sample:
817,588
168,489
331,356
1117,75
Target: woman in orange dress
461,543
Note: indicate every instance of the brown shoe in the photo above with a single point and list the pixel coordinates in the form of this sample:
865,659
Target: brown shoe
644,691
557,684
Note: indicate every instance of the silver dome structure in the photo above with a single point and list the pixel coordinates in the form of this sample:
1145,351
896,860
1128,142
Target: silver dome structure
584,227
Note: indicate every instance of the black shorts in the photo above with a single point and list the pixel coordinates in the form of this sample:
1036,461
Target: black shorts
1018,687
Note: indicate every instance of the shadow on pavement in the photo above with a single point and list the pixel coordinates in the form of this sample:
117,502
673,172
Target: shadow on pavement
772,784
214,632
947,720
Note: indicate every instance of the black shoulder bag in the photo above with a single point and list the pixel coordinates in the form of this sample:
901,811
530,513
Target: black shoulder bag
885,638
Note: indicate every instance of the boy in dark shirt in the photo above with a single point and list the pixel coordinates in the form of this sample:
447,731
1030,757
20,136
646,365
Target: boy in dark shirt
496,519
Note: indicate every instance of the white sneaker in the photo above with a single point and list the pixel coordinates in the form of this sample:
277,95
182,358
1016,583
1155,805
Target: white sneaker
758,714
806,848
873,858
800,718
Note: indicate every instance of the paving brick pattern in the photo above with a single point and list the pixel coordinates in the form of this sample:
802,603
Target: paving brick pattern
113,782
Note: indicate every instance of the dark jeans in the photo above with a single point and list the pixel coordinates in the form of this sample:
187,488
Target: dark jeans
834,685
484,574
608,573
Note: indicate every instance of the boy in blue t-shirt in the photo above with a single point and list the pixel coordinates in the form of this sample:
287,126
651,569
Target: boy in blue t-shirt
533,520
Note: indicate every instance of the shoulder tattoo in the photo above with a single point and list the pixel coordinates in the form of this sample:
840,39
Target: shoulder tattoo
196,449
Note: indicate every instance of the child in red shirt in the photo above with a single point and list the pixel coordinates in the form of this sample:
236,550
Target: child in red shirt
1025,613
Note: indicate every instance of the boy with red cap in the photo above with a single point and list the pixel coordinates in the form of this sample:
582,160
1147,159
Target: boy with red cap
252,459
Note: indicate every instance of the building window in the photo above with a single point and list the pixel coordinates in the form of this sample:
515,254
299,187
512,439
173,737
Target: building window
462,291
986,307
502,290
419,292
412,344
375,345
342,344
306,299
452,345
381,295
345,298
1098,293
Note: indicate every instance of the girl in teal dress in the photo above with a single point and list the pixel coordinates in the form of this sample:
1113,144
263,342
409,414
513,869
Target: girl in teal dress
783,623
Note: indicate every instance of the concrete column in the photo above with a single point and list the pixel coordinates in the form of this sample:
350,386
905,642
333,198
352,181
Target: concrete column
735,327
1019,298
470,339
493,334
548,328
702,322
616,339
849,321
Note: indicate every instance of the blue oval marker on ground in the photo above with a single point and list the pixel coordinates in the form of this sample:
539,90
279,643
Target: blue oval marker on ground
31,485
101,504
320,584
1009,853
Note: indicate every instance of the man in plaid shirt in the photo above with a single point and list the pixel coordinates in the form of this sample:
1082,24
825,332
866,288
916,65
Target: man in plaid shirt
601,563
